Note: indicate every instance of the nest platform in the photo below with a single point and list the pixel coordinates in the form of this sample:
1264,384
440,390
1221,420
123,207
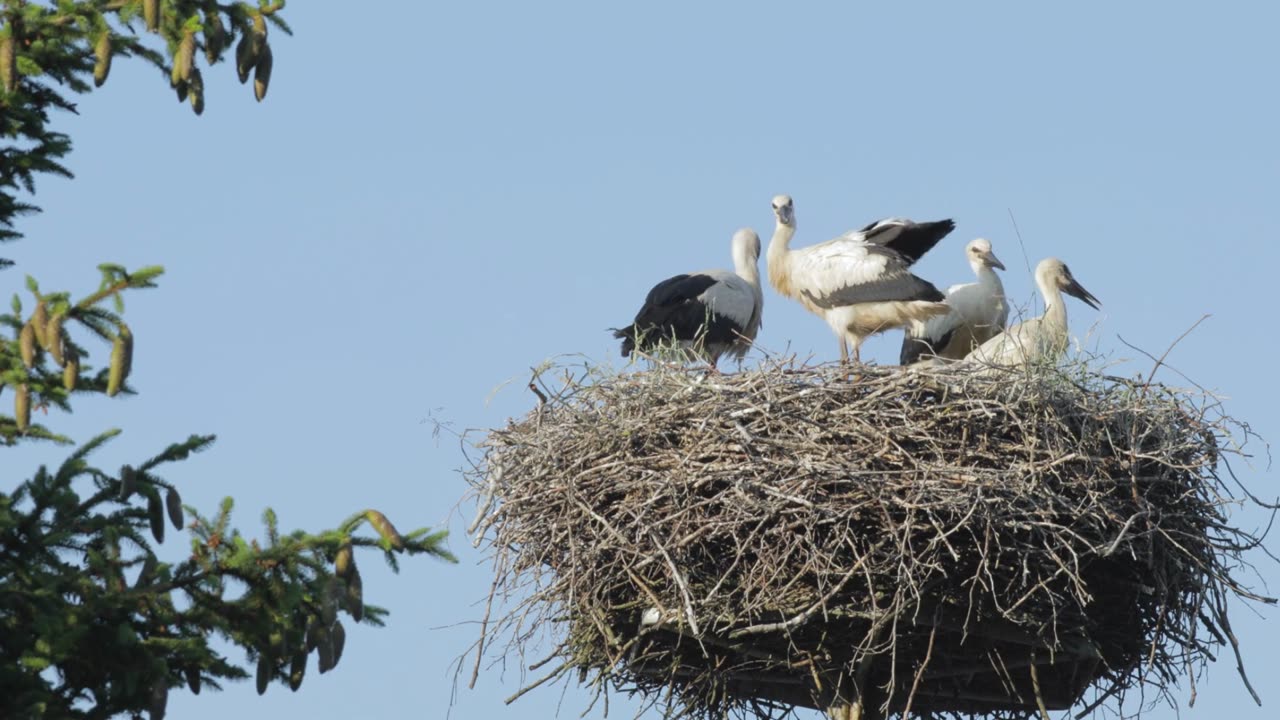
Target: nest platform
931,543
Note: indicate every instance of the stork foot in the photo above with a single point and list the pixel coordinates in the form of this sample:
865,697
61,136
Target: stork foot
849,374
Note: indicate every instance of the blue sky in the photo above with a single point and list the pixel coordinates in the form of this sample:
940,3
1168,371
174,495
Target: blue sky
436,197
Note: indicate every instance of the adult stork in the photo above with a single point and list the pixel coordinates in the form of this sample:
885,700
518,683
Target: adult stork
859,282
704,314
1043,338
978,313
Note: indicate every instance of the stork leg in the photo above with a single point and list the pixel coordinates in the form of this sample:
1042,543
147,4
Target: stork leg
844,353
856,342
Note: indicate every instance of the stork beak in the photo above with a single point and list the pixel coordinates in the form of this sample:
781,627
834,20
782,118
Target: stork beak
786,215
1074,289
993,261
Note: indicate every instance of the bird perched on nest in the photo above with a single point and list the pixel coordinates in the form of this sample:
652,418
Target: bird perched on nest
859,282
705,314
978,313
1043,338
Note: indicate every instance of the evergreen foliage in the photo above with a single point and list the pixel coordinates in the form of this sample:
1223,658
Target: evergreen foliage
93,624
50,51
44,362
83,593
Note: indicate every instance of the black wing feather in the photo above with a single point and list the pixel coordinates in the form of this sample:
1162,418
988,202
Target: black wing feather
676,289
898,288
916,239
915,348
672,310
871,225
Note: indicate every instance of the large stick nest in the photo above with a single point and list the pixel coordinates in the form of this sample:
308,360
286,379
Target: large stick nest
939,542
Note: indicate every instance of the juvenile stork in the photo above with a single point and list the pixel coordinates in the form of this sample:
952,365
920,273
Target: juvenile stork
1043,338
978,313
859,282
704,314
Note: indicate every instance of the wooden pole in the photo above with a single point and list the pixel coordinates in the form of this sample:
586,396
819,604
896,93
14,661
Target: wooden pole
857,698
842,697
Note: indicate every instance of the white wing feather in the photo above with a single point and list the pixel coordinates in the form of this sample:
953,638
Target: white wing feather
937,327
1019,345
981,308
887,229
731,297
984,309
823,269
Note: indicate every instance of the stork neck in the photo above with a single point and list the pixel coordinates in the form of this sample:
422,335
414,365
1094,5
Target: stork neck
1055,310
988,278
779,257
748,269
781,242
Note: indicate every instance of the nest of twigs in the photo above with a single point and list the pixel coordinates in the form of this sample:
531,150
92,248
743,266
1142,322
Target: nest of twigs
929,542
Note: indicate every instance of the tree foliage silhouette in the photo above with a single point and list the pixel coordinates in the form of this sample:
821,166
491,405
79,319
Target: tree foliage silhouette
92,622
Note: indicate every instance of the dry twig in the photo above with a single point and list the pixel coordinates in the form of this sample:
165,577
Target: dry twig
735,545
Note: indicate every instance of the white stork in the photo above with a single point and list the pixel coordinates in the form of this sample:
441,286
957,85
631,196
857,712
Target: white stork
704,314
859,282
1043,338
978,313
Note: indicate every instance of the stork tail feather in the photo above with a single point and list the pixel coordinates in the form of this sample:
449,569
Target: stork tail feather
628,337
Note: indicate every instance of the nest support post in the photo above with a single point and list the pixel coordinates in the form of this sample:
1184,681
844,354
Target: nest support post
860,697
856,698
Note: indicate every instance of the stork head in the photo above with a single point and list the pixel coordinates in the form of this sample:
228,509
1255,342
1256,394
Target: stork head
784,209
1052,272
980,255
746,245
